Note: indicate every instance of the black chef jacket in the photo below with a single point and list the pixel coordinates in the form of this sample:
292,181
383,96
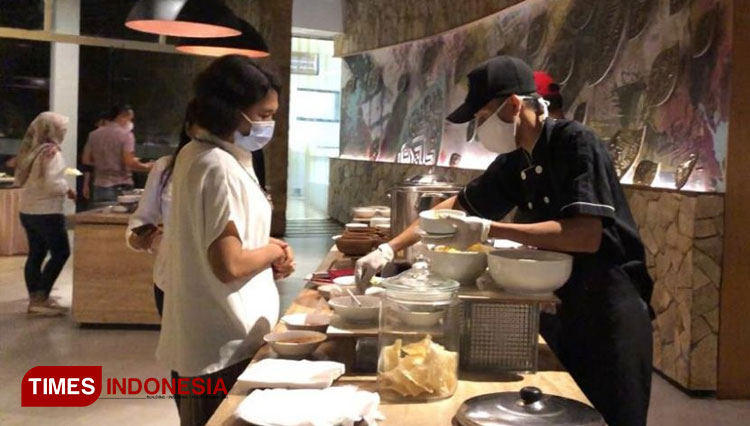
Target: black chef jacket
569,173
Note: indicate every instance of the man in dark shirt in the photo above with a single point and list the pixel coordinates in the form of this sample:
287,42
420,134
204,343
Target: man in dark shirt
562,181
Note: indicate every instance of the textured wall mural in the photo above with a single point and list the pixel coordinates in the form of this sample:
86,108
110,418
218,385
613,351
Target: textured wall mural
650,76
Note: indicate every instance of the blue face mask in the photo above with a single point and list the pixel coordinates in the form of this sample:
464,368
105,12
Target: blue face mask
260,134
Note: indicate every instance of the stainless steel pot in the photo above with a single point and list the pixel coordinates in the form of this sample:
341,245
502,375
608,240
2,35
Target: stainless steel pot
414,195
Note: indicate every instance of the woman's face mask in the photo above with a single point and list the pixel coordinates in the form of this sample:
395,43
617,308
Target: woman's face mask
495,134
259,136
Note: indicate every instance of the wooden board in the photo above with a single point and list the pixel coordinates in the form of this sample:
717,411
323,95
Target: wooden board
111,283
341,348
500,296
734,339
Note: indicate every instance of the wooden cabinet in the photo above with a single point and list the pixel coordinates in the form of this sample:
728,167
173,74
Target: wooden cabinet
111,283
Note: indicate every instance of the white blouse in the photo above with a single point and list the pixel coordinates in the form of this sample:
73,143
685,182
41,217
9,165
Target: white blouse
209,325
44,191
153,208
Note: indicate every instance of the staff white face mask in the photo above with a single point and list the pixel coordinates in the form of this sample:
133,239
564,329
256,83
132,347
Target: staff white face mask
260,134
496,135
129,126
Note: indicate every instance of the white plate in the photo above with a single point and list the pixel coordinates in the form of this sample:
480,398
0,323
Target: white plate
345,280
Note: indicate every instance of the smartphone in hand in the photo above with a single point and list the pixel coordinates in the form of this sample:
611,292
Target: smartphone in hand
144,230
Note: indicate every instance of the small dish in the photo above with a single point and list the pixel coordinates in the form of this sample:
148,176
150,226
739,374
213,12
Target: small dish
309,322
294,344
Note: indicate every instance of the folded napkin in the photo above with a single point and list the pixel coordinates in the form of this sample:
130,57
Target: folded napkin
340,405
284,373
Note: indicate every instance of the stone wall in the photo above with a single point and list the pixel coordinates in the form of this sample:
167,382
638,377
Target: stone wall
378,23
683,237
273,19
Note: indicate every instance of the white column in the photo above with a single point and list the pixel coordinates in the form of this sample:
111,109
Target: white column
66,17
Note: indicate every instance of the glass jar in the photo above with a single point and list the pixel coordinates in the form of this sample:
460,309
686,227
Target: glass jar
418,337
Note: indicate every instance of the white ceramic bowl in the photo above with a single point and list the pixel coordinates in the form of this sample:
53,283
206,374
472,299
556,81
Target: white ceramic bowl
296,343
528,271
128,199
419,319
380,221
348,310
364,212
345,280
464,267
436,221
311,322
357,226
329,291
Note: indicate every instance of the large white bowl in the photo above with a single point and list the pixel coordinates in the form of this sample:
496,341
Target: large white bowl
311,322
294,344
348,310
464,267
528,271
437,222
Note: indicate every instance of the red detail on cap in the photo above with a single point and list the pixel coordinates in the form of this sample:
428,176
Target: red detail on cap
61,386
543,82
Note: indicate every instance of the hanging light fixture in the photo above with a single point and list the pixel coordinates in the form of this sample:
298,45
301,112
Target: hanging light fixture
183,18
249,43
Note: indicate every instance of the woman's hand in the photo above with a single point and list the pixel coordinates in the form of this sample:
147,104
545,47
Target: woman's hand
284,267
71,194
147,241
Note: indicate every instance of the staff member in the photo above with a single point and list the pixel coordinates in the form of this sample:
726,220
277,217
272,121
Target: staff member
220,297
110,151
562,181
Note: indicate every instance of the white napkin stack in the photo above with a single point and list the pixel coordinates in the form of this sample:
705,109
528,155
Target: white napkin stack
282,373
343,405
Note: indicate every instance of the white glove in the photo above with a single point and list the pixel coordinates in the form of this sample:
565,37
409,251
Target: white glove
469,231
370,265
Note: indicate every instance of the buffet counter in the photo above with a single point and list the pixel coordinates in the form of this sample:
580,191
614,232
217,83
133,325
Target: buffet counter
550,379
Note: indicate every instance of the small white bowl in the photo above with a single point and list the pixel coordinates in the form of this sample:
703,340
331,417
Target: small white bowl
351,226
128,199
419,319
348,310
363,212
437,222
311,322
380,221
294,344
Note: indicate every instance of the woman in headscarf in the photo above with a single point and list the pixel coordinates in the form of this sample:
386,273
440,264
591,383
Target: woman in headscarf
40,171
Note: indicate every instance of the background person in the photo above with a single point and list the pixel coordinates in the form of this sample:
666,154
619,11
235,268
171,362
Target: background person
110,151
40,171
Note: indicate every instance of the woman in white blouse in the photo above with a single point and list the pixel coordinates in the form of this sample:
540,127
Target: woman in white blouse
40,171
220,291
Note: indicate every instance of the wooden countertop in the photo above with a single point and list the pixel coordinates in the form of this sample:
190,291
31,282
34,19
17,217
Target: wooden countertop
101,216
435,413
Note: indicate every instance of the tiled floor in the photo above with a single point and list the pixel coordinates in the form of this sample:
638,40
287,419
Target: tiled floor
27,342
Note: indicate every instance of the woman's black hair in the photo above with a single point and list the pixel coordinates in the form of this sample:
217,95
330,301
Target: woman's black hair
118,109
184,139
230,84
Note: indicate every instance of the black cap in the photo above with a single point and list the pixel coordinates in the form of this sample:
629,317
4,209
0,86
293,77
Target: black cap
499,77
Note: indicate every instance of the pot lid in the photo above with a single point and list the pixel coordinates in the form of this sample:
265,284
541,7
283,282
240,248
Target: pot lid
431,178
421,284
529,407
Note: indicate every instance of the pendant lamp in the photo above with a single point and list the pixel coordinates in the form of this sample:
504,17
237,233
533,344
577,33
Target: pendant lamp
183,18
249,43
